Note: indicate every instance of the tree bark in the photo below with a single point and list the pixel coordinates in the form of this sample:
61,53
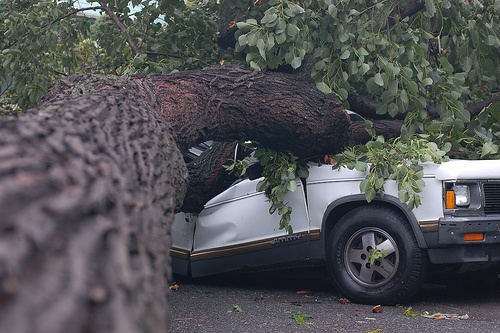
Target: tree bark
387,128
88,187
207,177
231,103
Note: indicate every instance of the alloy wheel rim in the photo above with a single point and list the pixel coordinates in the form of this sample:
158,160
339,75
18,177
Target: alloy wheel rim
376,243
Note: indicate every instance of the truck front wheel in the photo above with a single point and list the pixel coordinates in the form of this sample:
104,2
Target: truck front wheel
373,256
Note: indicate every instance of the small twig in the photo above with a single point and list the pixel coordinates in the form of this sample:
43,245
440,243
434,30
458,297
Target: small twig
163,54
121,27
9,84
60,73
141,41
73,12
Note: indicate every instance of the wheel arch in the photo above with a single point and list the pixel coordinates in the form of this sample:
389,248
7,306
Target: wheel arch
337,209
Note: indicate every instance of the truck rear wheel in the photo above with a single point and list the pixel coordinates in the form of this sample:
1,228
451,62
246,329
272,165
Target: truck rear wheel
373,256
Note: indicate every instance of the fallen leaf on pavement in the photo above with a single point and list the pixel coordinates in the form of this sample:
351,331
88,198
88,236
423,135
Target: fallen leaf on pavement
410,313
439,315
377,309
344,301
236,308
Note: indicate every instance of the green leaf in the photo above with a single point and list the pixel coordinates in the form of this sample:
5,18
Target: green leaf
412,87
393,87
332,10
378,79
361,166
404,97
323,87
268,18
346,54
280,38
489,148
342,94
407,72
426,82
292,30
235,308
492,40
462,114
364,69
291,186
392,109
410,313
364,185
430,8
252,38
254,65
243,25
370,194
466,64
296,62
362,51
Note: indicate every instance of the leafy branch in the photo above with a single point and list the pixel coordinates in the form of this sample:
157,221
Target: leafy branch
396,159
376,254
280,171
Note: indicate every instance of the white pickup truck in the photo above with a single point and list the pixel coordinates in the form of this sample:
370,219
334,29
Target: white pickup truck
377,252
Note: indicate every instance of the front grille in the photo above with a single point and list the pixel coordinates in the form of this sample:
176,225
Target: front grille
491,198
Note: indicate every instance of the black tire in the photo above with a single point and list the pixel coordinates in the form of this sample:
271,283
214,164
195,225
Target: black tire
392,279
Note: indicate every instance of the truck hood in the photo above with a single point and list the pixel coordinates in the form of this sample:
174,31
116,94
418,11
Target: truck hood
459,169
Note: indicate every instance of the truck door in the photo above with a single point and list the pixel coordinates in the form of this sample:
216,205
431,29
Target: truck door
235,231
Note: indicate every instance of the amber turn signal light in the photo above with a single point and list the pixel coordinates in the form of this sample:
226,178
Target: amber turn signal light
450,200
474,236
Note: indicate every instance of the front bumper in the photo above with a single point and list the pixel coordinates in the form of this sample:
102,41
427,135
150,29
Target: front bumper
452,248
451,230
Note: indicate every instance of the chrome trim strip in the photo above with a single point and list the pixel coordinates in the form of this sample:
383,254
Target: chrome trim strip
428,226
251,246
315,234
179,253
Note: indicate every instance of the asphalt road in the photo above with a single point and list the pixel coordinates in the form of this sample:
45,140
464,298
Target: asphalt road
276,302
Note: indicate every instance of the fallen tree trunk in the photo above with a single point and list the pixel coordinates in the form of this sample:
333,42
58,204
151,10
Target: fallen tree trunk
87,187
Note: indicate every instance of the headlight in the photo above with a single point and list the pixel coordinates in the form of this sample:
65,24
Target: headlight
458,196
462,195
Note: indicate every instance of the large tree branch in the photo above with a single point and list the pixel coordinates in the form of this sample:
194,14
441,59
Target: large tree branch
474,109
280,111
